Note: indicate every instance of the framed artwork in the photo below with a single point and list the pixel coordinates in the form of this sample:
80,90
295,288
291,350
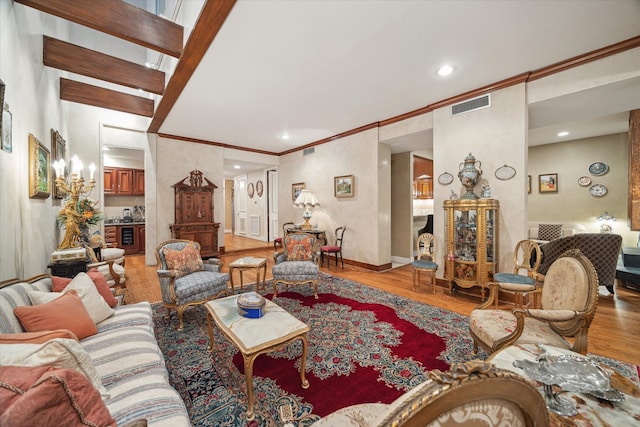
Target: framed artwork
548,183
58,151
250,190
343,186
259,188
529,184
296,189
39,169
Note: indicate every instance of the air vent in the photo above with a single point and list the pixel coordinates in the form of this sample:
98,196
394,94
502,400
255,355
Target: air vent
308,151
471,105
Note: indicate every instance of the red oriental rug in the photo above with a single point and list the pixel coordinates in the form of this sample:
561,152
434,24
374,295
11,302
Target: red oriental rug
365,345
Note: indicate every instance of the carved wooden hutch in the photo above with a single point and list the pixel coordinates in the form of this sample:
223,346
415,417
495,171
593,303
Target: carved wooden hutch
472,241
194,213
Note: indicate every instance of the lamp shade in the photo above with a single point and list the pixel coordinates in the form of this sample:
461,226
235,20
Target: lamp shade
306,199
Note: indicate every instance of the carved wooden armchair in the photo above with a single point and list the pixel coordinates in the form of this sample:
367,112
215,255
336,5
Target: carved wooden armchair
524,277
185,279
569,298
297,264
426,247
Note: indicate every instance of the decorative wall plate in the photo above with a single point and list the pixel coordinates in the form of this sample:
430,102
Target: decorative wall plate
445,178
259,188
598,168
583,181
250,190
505,172
598,190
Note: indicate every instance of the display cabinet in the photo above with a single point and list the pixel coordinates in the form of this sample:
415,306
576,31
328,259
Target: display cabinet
194,213
471,242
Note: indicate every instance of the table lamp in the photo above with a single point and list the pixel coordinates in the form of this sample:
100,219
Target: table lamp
306,199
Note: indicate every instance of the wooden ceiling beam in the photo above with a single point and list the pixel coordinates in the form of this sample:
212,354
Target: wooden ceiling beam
119,19
87,62
83,93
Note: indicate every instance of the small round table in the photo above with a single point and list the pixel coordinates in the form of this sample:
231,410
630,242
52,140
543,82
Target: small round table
249,263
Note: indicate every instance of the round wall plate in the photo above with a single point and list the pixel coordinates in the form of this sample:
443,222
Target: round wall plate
445,178
505,172
598,190
583,181
598,168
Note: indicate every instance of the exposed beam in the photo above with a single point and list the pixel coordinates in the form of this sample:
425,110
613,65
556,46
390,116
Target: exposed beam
79,60
83,93
212,16
118,19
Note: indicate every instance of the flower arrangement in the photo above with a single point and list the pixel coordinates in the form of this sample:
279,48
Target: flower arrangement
88,214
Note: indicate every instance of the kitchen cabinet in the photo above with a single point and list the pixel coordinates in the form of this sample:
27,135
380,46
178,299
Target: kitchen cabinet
123,181
471,241
130,237
111,236
422,178
194,213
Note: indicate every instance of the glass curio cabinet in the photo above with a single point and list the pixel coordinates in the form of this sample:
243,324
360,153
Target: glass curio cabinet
472,242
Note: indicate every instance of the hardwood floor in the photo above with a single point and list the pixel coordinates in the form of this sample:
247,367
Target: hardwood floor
614,332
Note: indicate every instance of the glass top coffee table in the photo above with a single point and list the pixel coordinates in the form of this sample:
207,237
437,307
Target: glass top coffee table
253,337
249,263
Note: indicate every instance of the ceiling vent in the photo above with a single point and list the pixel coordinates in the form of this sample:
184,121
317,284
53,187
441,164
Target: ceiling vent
308,151
471,105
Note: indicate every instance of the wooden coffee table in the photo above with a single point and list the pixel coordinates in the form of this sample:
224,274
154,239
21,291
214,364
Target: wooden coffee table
253,337
249,263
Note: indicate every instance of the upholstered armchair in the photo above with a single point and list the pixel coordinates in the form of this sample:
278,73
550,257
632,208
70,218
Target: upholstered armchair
297,263
569,298
185,279
462,396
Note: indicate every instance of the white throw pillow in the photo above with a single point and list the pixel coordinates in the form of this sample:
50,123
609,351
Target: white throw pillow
98,309
63,352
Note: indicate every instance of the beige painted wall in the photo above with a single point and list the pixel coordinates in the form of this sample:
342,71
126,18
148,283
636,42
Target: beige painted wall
573,203
228,205
401,207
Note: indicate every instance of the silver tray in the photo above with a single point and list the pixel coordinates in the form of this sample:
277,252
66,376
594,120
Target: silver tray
571,373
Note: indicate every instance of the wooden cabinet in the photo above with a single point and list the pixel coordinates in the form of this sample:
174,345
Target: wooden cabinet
123,181
130,237
472,241
111,236
141,238
422,178
194,213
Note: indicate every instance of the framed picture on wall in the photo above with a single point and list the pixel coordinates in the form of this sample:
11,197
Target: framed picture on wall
58,151
296,189
39,169
548,183
343,186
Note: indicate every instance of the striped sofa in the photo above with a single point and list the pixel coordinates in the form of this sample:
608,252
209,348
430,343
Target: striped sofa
125,354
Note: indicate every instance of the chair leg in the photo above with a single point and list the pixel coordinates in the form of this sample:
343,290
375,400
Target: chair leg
341,259
433,281
415,287
180,311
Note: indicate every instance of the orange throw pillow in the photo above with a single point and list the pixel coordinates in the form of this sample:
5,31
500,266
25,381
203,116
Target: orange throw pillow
36,337
184,261
58,284
43,396
299,249
65,312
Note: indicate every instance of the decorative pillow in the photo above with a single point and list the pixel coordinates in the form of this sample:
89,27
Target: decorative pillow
299,249
61,352
549,231
99,280
66,312
46,396
184,261
95,304
36,337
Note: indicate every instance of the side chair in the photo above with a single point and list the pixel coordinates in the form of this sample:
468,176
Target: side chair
278,240
297,263
185,279
527,257
425,261
335,249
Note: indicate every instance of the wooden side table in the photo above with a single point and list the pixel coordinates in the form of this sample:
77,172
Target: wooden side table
249,263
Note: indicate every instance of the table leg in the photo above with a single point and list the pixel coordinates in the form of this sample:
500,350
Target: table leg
248,374
210,326
303,362
264,277
241,279
233,287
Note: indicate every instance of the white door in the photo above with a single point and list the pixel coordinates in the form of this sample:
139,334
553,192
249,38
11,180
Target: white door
272,202
240,196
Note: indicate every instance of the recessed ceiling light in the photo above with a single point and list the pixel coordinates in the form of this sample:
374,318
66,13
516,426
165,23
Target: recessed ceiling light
563,133
105,148
445,70
285,136
236,166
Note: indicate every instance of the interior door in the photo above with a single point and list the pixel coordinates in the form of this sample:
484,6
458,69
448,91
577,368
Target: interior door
240,196
272,205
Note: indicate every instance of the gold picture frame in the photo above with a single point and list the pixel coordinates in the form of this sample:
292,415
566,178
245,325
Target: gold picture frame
58,152
296,189
39,169
548,183
344,186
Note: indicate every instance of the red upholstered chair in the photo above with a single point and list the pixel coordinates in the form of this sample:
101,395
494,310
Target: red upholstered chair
335,249
278,240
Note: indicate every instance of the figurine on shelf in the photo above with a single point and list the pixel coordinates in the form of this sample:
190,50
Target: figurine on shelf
485,193
453,195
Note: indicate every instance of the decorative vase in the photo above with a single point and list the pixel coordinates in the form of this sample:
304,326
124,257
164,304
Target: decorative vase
470,171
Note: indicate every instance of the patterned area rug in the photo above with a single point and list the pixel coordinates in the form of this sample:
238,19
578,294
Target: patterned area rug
365,345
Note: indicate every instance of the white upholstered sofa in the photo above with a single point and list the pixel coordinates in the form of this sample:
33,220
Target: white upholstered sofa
545,231
124,353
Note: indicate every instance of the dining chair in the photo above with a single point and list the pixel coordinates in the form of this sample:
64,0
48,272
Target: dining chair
426,248
527,257
278,240
335,249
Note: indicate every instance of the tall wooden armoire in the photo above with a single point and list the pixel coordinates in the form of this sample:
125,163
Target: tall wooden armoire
194,213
